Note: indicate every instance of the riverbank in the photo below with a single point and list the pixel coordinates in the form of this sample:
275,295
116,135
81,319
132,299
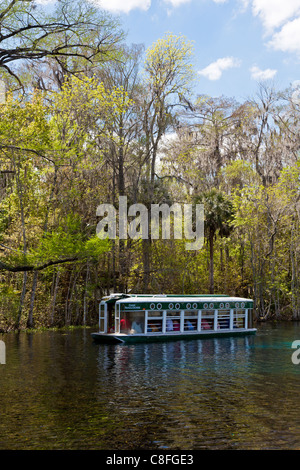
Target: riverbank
40,329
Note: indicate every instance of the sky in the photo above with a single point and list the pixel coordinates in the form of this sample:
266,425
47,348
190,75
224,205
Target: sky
237,43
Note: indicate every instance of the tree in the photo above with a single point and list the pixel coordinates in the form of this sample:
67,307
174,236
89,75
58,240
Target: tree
218,213
169,77
262,135
75,35
39,140
43,146
121,154
214,124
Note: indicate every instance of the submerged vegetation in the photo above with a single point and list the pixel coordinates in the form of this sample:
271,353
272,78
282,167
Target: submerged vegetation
82,125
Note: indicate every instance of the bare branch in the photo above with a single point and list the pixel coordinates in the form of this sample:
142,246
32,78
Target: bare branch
16,269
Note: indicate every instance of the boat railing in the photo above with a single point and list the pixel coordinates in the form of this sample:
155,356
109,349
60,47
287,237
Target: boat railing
164,321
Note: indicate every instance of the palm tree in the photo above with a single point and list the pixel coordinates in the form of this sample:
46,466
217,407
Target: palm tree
218,213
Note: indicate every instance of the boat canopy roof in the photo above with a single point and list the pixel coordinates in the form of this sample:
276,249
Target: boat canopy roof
111,299
178,302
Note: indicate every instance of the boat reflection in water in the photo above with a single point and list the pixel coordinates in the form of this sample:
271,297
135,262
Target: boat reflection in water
185,354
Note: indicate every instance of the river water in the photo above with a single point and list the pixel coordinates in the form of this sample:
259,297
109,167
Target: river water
60,390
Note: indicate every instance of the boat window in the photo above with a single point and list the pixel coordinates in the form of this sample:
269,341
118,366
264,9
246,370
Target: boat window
173,320
207,320
223,319
155,322
101,318
239,319
155,313
190,313
190,320
132,322
190,324
154,325
173,313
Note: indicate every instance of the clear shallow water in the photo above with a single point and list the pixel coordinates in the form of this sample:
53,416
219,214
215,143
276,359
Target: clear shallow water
60,390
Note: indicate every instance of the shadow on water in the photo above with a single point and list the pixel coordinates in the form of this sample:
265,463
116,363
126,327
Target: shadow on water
62,391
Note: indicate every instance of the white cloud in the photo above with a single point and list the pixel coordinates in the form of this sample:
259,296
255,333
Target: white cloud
260,75
288,38
274,13
125,6
244,3
177,3
214,70
281,22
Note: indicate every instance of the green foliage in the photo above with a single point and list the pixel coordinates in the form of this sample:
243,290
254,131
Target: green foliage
238,174
100,134
169,65
69,240
218,212
94,247
24,123
74,35
80,119
9,304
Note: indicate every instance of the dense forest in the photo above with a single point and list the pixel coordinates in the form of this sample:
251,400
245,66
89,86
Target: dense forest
87,118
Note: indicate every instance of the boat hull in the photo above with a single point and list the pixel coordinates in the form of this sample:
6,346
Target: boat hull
150,338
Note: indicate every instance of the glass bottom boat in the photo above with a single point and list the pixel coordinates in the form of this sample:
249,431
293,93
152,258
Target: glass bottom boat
132,318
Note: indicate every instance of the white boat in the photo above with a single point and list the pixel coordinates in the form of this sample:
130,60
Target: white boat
131,318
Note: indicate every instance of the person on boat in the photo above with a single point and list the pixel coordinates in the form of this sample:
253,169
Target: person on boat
125,324
169,324
155,327
176,325
205,325
136,327
225,323
189,325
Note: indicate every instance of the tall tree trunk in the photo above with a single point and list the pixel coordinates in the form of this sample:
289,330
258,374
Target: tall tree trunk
33,290
54,297
22,298
122,266
72,291
294,296
20,196
146,265
85,302
222,269
67,299
211,262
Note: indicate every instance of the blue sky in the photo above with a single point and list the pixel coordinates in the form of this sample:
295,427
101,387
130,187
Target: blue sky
237,43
